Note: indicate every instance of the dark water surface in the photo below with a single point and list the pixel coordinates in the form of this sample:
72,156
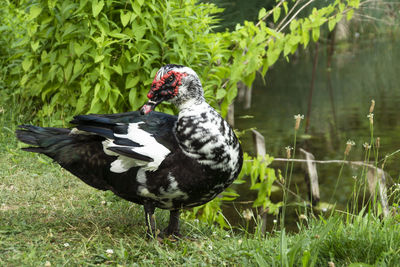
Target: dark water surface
342,95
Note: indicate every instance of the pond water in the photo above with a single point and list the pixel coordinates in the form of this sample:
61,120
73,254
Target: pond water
360,71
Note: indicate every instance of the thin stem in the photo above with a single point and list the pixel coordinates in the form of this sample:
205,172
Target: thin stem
288,14
287,187
269,13
337,181
295,15
371,127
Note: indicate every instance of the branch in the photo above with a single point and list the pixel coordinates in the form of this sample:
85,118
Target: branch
356,163
269,13
295,15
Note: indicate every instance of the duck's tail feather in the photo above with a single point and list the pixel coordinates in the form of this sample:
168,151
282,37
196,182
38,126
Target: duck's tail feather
40,137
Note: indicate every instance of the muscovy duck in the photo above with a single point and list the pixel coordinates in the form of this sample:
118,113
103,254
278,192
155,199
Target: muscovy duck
147,157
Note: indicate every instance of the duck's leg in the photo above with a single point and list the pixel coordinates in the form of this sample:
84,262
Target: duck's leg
150,221
173,225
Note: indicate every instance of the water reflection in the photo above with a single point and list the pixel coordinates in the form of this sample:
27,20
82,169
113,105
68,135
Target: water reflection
360,72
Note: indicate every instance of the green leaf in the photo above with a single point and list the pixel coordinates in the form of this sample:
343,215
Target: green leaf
85,88
339,17
98,58
34,12
105,72
273,55
117,69
80,105
220,94
125,17
96,106
276,13
131,81
96,89
262,13
287,49
331,24
139,32
97,6
306,258
315,33
80,49
68,71
349,14
231,94
103,93
133,98
354,3
285,6
26,64
140,2
35,46
136,8
294,25
359,264
112,100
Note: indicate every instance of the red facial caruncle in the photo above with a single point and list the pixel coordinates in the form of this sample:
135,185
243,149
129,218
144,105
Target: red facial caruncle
173,87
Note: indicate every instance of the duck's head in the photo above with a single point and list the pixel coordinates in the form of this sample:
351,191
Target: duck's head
176,84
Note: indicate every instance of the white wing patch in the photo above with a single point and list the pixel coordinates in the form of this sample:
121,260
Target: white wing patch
149,147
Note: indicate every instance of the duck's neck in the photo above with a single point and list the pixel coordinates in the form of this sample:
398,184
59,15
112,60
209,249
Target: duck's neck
190,104
206,137
193,107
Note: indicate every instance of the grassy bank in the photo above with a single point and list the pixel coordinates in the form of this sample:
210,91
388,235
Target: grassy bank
48,217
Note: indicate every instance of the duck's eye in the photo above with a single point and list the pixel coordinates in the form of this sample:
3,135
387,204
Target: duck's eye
170,78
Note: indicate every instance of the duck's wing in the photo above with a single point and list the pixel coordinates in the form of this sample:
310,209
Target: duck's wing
137,140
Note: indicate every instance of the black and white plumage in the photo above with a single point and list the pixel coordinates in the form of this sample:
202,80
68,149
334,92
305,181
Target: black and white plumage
147,157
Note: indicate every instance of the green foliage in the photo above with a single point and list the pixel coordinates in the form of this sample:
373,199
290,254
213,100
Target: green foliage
261,179
101,56
12,27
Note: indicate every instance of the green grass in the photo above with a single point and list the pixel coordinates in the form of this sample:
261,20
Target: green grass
47,215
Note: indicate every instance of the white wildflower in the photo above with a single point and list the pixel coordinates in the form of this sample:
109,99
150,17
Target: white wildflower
66,245
366,146
288,151
109,251
349,144
303,217
371,118
298,119
299,116
247,214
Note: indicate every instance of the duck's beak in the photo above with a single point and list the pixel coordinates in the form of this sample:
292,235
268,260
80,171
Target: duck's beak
149,106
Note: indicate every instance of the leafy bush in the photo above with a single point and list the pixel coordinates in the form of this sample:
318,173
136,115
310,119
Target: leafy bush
12,22
101,56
